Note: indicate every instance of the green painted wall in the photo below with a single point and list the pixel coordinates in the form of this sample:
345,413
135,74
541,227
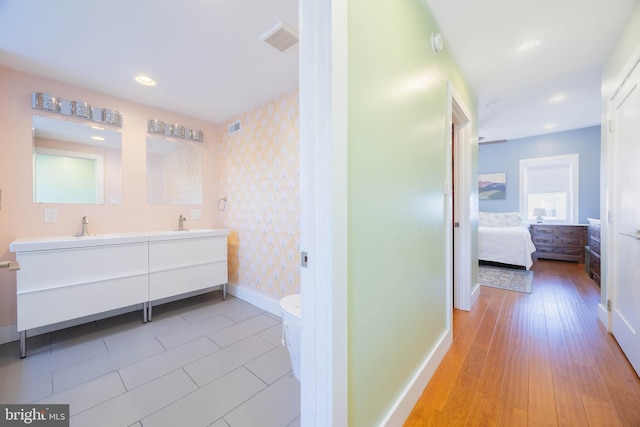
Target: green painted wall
397,223
621,52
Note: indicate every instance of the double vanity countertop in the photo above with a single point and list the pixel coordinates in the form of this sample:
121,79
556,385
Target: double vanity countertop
66,242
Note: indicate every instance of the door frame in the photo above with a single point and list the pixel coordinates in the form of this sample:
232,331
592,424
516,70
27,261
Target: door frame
323,212
459,133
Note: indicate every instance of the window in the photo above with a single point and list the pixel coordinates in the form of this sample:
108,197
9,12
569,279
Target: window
549,185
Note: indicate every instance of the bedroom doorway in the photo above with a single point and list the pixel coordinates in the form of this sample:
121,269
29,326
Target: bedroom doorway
458,187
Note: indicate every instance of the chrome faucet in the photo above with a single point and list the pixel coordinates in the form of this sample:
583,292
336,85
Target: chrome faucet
181,221
85,226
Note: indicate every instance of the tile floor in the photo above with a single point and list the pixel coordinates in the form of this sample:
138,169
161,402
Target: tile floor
202,361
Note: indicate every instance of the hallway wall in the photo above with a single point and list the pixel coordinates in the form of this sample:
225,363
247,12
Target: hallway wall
397,209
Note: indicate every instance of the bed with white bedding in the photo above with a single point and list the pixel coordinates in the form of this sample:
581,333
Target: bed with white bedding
504,239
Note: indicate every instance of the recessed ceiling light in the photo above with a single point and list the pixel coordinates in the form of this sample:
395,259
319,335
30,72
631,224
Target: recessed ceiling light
145,80
97,127
97,138
557,98
550,126
528,45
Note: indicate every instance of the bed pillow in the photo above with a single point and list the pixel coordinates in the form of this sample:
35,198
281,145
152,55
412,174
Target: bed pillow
499,219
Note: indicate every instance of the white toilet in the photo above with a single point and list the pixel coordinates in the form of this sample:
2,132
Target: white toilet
290,306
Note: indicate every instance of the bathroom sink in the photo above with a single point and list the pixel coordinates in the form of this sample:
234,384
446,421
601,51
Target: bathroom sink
64,242
76,241
179,234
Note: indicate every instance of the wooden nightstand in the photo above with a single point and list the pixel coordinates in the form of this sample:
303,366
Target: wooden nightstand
559,241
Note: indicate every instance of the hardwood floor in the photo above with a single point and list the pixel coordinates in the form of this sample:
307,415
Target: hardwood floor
539,359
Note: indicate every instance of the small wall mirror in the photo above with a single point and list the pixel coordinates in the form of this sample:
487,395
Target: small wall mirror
76,163
174,172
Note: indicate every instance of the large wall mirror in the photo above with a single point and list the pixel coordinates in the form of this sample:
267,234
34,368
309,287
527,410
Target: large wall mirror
76,163
174,172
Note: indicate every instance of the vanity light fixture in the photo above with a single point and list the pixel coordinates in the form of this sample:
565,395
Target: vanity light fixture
178,131
528,45
97,138
145,80
47,102
195,135
81,109
158,127
112,117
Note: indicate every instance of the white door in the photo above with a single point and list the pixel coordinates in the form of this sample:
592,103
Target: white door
625,171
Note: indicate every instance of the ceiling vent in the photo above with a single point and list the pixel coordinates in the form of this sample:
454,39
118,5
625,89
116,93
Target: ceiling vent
281,36
234,128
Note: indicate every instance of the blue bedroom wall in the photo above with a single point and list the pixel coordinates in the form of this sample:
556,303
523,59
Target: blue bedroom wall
505,157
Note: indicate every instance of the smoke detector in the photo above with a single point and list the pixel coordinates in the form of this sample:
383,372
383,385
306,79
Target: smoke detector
437,42
281,36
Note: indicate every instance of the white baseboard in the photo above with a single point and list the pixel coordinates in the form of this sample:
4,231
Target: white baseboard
475,293
603,316
407,400
255,298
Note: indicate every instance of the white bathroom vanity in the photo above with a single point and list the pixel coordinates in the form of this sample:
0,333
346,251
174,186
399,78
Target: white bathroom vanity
65,278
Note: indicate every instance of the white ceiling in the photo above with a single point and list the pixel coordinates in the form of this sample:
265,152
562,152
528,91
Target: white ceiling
512,88
209,62
206,55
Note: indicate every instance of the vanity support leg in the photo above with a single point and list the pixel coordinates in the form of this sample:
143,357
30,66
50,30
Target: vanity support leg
23,344
145,306
149,312
224,291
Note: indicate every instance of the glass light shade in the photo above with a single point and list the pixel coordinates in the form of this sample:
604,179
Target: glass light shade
82,109
155,126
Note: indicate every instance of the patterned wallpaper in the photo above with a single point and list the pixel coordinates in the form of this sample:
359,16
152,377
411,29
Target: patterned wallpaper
183,175
260,177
